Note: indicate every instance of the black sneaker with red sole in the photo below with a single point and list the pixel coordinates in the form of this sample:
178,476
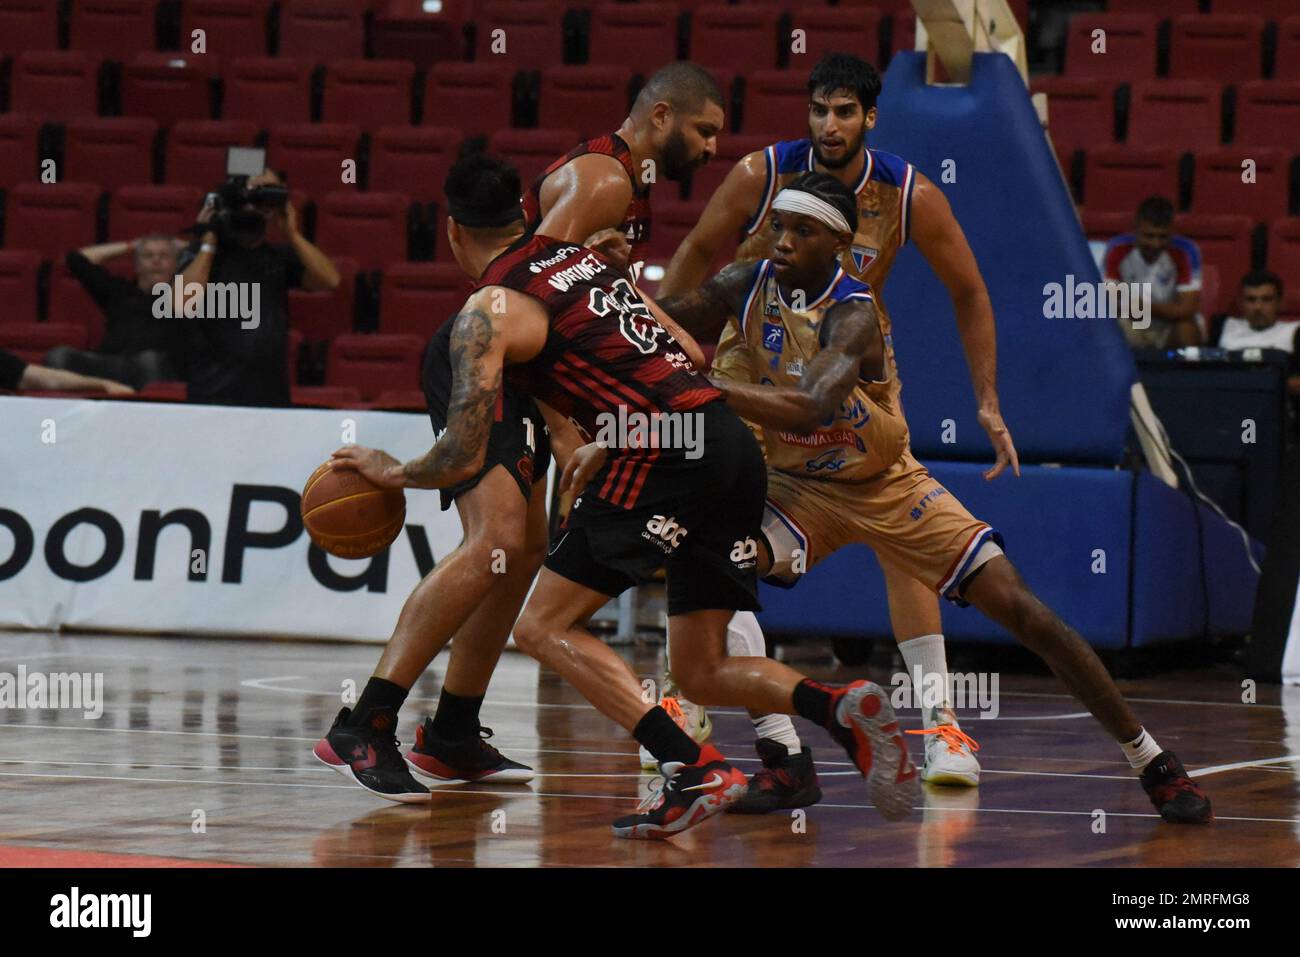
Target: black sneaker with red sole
691,794
440,759
1174,794
863,721
785,781
368,754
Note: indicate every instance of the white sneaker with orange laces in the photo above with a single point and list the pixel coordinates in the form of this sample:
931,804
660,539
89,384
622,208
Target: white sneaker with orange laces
949,756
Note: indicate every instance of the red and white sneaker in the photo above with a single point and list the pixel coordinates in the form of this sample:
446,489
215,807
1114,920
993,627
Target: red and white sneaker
863,721
439,759
691,793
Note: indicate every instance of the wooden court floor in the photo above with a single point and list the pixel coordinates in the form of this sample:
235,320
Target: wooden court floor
219,732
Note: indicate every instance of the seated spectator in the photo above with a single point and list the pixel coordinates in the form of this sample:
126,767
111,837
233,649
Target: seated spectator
236,360
1171,265
138,348
16,374
1258,326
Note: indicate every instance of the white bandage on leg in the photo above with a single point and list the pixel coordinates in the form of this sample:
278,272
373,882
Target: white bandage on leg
745,636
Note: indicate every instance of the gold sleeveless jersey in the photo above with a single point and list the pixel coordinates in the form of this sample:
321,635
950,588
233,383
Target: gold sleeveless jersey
867,433
884,193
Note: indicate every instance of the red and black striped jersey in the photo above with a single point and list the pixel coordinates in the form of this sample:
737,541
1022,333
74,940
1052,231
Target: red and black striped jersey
636,221
605,356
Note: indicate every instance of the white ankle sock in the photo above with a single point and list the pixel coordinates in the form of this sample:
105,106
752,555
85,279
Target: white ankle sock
927,653
745,640
779,728
1141,751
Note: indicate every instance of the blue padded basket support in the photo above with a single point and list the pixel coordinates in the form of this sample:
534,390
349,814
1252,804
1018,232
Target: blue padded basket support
1064,383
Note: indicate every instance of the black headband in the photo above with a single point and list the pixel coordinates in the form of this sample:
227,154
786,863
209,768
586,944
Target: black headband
481,219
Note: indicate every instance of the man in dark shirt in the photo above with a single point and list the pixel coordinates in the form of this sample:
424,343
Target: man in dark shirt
138,348
243,360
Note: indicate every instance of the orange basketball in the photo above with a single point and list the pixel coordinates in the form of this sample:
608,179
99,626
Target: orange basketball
350,516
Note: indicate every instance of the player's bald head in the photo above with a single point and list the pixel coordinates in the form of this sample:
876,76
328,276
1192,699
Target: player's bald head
686,87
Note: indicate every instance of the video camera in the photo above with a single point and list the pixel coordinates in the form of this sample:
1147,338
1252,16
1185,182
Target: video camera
239,213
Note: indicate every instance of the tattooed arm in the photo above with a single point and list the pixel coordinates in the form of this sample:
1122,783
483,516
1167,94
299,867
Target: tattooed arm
479,346
704,312
851,347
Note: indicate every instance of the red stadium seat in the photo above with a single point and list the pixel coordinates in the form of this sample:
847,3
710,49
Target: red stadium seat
51,218
833,29
531,151
115,28
373,364
417,298
673,220
1103,224
369,93
163,391
18,269
268,90
1186,112
28,25
196,150
169,87
413,159
320,316
475,97
1268,9
533,34
231,27
1268,114
1164,9
1130,46
1287,59
55,85
633,33
904,37
404,30
1217,185
731,149
369,227
1120,177
19,158
136,210
31,340
1284,259
1080,112
311,155
776,104
325,397
400,400
740,39
1225,244
322,29
1227,47
593,99
112,152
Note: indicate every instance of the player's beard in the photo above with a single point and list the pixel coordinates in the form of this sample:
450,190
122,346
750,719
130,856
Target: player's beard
852,149
676,157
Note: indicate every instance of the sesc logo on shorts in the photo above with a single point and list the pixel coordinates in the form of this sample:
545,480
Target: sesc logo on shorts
664,532
744,553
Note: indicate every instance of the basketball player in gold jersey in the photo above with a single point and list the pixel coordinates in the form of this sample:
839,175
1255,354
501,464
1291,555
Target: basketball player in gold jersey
895,203
840,471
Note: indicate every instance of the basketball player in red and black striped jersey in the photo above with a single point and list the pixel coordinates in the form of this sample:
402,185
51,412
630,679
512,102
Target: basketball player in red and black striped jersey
564,324
605,182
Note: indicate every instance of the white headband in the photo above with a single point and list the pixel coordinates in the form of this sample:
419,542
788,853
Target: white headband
798,201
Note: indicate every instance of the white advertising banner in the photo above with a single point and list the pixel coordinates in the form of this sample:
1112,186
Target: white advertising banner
184,519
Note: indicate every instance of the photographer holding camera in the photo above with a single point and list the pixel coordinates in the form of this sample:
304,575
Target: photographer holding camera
233,362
